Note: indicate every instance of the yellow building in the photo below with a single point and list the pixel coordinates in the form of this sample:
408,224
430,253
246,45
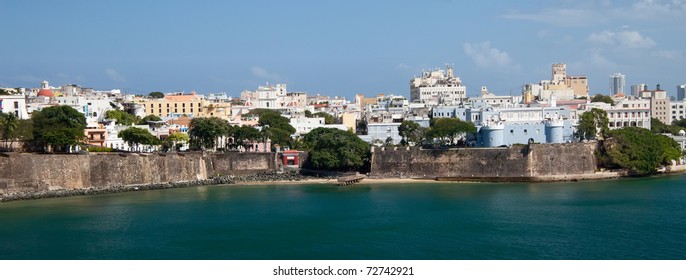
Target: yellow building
213,109
579,84
350,121
180,104
191,105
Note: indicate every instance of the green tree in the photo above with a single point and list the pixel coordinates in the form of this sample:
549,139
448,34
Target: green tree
156,94
276,126
24,130
204,132
308,114
657,126
245,136
174,141
149,118
8,126
335,149
58,128
135,137
638,150
411,132
602,98
681,123
593,124
122,117
448,129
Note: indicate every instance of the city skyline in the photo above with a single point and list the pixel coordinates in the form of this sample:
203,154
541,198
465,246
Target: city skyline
338,48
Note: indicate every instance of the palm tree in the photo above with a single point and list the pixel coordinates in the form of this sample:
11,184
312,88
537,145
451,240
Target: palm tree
9,123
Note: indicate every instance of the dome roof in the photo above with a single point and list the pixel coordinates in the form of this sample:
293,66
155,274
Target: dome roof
46,92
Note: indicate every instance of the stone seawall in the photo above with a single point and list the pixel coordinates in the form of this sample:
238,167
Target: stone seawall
24,172
515,163
233,163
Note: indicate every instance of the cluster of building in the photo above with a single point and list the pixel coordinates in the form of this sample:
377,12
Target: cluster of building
545,112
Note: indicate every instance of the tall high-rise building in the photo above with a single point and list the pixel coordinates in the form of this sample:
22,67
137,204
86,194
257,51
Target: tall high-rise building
636,90
617,83
680,92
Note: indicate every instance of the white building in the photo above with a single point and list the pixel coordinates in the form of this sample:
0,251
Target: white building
304,125
379,133
14,104
678,111
93,108
634,112
438,87
494,100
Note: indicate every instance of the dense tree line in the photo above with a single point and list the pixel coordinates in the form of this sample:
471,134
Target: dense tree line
638,150
335,149
657,126
441,132
206,134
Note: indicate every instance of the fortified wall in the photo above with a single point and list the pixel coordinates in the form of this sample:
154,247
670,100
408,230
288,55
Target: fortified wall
515,163
24,172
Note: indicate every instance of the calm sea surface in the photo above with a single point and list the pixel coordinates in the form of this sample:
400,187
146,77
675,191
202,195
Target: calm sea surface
616,219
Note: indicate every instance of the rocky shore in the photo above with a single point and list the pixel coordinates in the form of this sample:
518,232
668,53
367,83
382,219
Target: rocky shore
271,176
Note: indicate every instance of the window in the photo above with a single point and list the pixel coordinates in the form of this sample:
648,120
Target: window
16,104
525,131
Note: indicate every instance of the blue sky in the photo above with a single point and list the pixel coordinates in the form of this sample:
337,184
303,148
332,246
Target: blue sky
337,47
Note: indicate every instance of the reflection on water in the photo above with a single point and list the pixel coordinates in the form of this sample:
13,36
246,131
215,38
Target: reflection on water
613,219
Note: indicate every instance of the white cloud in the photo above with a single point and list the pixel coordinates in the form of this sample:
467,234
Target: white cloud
559,17
669,54
652,8
114,75
622,39
486,56
259,72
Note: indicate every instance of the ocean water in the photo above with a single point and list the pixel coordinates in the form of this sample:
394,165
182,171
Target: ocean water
612,219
